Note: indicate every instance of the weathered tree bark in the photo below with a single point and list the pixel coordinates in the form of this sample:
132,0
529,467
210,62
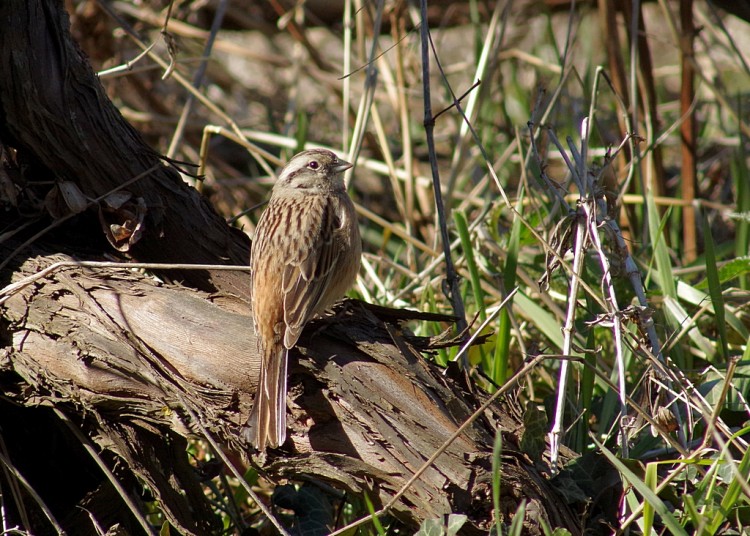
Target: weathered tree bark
367,410
125,357
55,109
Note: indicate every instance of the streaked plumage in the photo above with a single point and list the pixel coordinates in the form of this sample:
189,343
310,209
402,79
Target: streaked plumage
305,256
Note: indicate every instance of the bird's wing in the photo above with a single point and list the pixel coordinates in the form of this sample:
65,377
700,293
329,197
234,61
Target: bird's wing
309,271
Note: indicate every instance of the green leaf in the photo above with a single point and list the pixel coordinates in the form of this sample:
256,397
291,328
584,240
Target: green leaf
729,271
516,526
442,526
462,226
455,522
502,341
540,317
742,199
431,527
680,317
696,297
691,510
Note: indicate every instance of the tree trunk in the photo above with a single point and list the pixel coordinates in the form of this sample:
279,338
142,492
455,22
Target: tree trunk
129,361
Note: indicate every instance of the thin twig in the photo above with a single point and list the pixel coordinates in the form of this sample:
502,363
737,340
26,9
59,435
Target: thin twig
184,82
221,9
459,99
11,289
365,105
107,472
579,249
34,495
450,288
219,451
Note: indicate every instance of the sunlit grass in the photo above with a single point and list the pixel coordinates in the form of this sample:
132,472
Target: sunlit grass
517,170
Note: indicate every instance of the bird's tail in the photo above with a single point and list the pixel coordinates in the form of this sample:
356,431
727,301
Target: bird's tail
266,426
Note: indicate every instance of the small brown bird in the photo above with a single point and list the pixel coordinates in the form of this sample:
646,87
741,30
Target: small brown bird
305,256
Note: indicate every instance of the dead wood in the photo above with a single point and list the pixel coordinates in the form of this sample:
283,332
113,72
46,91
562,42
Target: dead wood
124,356
366,409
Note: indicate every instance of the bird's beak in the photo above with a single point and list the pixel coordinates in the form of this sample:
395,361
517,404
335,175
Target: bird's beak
341,165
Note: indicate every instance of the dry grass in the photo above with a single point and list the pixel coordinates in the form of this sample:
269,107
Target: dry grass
643,303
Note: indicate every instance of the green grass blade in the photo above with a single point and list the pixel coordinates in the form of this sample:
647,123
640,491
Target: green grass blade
497,450
666,279
742,186
648,510
648,495
375,521
516,526
732,494
462,226
694,296
502,341
714,287
542,319
692,511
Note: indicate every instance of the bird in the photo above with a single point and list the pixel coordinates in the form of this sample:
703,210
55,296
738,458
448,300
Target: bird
305,256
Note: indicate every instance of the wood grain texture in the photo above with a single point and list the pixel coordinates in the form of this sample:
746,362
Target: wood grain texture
366,409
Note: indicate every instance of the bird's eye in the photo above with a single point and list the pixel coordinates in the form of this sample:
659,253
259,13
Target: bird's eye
313,165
